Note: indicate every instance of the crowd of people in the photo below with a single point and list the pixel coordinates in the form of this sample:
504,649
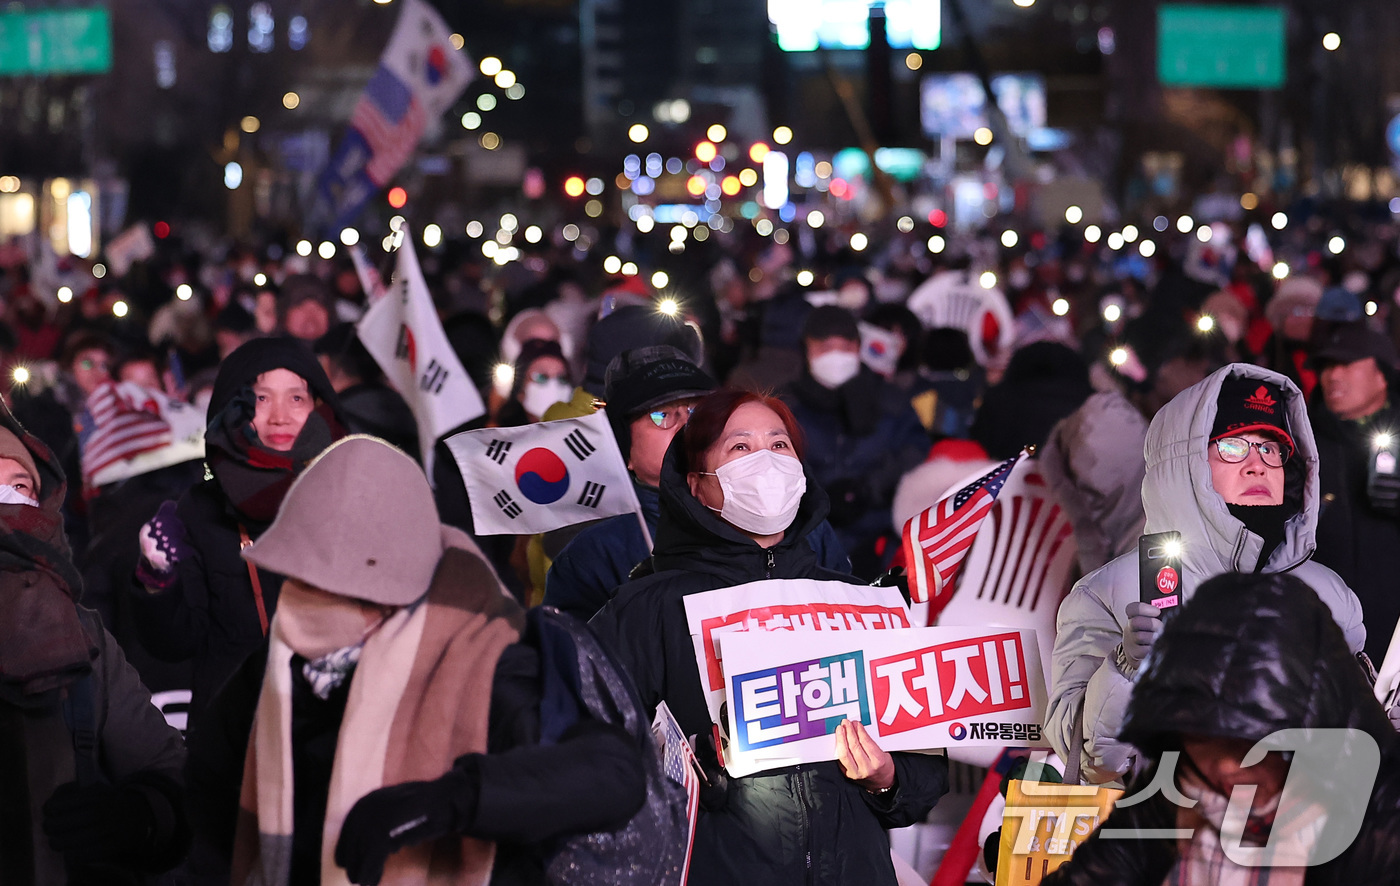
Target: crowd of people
211,497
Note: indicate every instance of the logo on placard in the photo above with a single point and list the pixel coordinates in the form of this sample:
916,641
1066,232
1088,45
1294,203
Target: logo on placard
1167,580
957,732
541,476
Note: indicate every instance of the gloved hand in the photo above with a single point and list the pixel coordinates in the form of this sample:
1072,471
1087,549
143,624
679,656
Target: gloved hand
164,544
98,823
386,820
1144,624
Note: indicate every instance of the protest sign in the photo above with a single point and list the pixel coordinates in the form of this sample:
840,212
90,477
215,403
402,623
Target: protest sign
1042,826
782,605
913,690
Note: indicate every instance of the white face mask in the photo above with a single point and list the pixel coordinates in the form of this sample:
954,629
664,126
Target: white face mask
834,368
762,491
539,397
12,496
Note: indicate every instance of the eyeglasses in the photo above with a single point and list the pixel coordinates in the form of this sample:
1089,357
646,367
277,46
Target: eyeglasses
542,378
665,419
1234,450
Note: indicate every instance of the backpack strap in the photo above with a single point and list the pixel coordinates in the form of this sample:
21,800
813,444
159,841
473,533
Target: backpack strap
80,714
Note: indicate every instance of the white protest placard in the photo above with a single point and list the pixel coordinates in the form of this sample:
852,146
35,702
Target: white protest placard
913,690
782,605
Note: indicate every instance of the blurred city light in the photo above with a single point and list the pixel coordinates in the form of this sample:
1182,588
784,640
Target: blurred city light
1147,249
505,79
233,175
659,280
859,241
397,197
983,136
805,278
1009,238
815,219
249,124
184,292
1059,307
1185,224
716,133
988,280
1205,323
491,66
1280,271
1279,221
290,101
1331,41
706,151
1336,245
1112,313
937,244
668,306
638,132
1130,233
20,375
120,309
65,294
432,236
304,248
326,250
1092,234
1074,215
1118,356
913,61
782,135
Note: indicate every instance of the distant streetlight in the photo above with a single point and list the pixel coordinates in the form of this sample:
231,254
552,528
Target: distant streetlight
1331,41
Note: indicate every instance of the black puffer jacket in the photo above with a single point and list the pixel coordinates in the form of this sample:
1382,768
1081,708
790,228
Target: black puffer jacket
211,615
1247,657
805,824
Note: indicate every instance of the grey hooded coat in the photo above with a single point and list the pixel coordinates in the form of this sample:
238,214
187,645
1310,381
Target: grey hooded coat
1178,495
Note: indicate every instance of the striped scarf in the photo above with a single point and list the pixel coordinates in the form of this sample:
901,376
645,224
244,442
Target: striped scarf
1201,859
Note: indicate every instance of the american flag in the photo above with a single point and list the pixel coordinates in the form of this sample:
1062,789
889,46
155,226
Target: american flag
128,422
391,121
679,763
937,540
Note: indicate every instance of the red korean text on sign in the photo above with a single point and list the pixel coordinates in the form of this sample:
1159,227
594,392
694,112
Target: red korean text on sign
794,617
950,681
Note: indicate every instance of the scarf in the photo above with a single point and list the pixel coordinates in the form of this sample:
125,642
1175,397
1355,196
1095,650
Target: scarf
253,477
1201,859
420,698
1269,522
43,644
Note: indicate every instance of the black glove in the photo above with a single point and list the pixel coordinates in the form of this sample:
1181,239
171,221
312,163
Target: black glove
98,823
384,821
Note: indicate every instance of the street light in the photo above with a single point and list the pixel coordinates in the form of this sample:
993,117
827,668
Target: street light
1331,41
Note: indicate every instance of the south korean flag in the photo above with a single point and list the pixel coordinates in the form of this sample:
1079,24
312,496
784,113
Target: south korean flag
543,476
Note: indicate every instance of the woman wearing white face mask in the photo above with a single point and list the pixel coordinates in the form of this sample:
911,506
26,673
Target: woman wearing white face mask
541,379
737,507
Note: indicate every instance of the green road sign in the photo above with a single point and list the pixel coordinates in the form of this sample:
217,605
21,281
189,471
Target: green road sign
1230,47
56,41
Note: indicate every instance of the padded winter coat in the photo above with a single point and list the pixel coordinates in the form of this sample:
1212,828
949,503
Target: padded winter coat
805,824
1177,495
1249,656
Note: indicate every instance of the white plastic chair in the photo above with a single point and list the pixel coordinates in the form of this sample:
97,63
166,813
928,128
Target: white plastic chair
1016,573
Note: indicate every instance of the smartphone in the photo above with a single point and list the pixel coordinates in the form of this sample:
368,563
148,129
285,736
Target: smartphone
1159,570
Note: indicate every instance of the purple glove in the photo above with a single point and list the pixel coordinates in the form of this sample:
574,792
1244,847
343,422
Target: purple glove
163,545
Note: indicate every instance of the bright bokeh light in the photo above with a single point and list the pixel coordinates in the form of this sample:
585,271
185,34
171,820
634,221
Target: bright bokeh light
304,248
805,278
573,186
398,197
249,124
612,265
20,375
815,218
120,309
259,279
757,151
983,136
988,280
1112,313
1280,271
668,306
290,101
859,241
326,250
505,79
1371,308
184,292
1092,234
1204,233
706,151
432,236
534,234
1336,245
913,61
730,185
1009,238
638,132
1205,323
660,280
937,244
1115,241
1279,221
1118,356
716,133
1060,307
349,236
491,66
1130,234
782,135
1331,41
1185,224
695,186
1074,215
1147,249
65,294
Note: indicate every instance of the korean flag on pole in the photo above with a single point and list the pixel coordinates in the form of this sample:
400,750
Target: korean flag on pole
404,335
541,476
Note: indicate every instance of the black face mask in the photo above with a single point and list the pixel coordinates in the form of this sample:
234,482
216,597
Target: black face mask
1265,521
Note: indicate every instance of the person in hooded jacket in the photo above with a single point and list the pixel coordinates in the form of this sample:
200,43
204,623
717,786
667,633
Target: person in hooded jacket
864,435
816,823
90,774
1256,512
273,410
1246,657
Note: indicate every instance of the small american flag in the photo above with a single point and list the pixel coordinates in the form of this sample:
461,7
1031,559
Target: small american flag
679,763
128,422
937,540
391,120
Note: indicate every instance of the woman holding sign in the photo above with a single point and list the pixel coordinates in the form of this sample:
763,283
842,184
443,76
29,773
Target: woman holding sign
736,507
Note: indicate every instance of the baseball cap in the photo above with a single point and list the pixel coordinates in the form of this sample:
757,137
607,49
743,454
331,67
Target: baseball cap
1251,404
641,379
1355,341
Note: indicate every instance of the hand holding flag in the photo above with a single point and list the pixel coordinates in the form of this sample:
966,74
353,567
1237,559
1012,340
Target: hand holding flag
937,540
